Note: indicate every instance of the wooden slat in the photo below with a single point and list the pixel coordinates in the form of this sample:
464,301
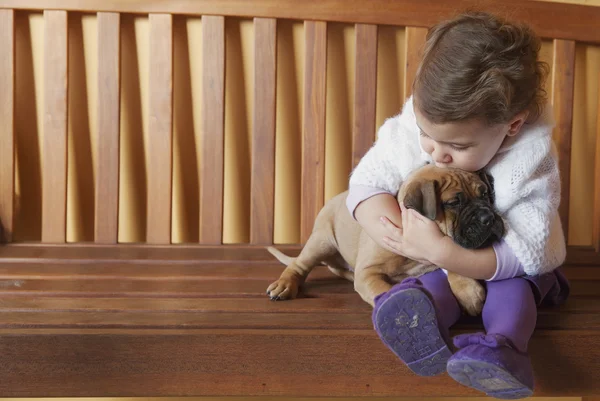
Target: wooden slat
262,201
313,135
415,39
549,19
172,288
365,91
107,178
563,84
596,222
229,362
54,171
160,149
7,123
213,133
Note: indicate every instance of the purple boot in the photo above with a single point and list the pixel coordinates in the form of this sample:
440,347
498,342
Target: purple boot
405,319
489,364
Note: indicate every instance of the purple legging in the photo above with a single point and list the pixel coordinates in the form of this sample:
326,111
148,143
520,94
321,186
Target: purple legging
509,310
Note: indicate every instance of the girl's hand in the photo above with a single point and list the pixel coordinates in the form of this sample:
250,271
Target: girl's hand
417,239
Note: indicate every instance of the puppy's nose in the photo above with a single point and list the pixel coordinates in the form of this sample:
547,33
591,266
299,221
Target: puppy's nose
486,218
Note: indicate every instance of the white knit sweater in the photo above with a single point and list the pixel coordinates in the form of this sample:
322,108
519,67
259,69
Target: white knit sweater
526,183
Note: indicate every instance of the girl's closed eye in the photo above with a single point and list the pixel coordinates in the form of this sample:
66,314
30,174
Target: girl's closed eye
459,148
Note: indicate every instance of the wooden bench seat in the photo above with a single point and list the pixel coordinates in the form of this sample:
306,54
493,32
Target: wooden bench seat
105,317
138,320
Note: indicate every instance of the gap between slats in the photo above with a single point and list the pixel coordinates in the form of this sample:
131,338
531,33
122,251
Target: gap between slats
365,91
263,140
313,135
213,134
7,122
107,178
596,223
563,83
160,127
54,171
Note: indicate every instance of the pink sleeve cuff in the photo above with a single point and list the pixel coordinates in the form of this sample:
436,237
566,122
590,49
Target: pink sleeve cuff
359,193
507,264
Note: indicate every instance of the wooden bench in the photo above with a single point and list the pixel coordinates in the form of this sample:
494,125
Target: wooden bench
106,318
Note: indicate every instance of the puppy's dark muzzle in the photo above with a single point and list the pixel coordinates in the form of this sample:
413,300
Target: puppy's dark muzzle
478,225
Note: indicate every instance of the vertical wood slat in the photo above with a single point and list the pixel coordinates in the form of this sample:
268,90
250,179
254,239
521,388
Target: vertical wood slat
107,178
54,179
415,39
263,137
563,83
7,122
365,91
313,146
160,127
596,223
213,134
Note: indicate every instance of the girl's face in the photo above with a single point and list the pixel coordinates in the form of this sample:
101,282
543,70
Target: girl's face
469,145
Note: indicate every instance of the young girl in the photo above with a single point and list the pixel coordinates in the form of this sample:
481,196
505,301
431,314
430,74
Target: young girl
478,103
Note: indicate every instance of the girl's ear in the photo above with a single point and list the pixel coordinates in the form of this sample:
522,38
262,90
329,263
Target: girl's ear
517,122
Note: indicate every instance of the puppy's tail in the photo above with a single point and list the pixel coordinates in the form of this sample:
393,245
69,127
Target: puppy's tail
282,257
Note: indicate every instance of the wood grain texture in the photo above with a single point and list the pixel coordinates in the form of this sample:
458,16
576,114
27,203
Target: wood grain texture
138,320
211,362
213,130
313,134
262,201
365,96
415,39
549,19
7,124
54,172
563,84
596,221
160,127
109,95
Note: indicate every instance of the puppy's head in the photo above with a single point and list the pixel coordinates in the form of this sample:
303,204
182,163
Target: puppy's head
460,202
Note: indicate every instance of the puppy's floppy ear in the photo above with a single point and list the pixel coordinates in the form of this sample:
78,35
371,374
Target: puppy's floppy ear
421,196
488,180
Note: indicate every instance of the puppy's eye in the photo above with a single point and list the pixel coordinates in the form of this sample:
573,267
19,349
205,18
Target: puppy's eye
484,193
452,202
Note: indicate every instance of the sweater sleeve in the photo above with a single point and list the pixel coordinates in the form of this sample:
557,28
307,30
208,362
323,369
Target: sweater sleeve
534,232
393,156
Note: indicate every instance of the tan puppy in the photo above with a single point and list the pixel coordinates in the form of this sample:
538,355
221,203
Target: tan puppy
461,203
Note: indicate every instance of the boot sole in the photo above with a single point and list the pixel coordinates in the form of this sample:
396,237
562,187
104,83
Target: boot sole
489,378
407,324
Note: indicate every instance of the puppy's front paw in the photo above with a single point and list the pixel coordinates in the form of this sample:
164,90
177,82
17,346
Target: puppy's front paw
284,288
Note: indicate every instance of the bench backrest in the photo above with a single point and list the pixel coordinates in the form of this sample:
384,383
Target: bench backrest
564,24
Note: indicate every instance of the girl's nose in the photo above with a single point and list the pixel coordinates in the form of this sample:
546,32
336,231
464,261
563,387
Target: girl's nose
439,156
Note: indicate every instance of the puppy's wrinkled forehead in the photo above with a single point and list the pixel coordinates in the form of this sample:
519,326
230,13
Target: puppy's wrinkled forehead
465,183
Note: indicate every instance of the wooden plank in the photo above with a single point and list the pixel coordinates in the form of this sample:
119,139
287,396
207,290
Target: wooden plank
313,135
550,19
109,95
160,149
213,130
339,304
563,84
319,363
262,203
171,288
365,91
54,171
415,39
7,124
596,222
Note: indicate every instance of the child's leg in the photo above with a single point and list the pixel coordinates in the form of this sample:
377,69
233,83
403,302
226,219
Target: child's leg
497,362
412,319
